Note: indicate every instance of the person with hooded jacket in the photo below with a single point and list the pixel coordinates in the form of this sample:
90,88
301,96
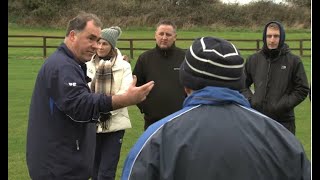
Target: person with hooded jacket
278,76
216,135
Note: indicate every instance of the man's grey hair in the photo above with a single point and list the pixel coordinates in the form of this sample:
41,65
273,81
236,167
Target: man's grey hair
79,22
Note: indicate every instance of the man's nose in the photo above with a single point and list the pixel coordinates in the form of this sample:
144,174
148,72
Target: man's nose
164,36
96,45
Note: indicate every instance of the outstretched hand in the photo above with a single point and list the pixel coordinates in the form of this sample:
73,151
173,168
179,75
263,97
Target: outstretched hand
134,95
140,93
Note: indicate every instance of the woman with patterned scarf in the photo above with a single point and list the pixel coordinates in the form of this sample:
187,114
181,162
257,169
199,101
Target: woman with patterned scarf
110,74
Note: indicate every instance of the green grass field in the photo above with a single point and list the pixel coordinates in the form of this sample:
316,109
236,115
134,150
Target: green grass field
23,66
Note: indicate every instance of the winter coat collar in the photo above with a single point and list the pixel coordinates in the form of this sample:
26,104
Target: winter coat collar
166,52
273,54
211,95
63,47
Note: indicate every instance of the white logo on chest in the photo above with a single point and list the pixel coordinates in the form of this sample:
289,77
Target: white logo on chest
72,83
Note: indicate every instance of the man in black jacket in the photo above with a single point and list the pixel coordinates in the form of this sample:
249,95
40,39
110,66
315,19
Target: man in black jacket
279,79
161,64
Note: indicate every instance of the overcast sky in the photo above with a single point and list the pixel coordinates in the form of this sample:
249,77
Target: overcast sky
246,1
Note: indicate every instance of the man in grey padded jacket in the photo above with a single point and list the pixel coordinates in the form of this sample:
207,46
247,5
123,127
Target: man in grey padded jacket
216,135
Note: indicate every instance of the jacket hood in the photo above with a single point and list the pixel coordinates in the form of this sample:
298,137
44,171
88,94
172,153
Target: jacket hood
282,34
212,95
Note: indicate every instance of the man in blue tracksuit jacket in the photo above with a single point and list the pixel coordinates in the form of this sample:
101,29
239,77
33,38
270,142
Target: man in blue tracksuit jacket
61,131
217,135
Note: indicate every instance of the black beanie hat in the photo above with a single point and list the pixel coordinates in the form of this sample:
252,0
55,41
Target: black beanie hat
212,61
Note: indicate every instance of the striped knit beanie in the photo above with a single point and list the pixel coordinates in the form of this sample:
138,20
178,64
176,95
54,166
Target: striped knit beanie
212,61
111,35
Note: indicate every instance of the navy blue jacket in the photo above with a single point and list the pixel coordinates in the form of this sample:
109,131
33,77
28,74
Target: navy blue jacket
61,131
216,136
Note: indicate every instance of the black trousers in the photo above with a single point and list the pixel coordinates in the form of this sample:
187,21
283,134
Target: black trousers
107,155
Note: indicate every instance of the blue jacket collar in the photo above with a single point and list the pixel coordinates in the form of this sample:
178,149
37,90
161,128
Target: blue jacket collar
63,47
215,96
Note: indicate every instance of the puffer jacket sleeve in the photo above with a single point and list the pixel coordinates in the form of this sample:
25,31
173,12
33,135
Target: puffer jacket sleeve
126,76
142,161
306,168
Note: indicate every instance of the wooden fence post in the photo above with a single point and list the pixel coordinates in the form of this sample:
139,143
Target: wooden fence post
44,47
131,48
301,48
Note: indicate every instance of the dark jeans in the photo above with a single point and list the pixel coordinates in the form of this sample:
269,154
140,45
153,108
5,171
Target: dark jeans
291,126
107,155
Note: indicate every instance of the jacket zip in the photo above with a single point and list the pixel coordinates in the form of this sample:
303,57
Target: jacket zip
266,85
77,143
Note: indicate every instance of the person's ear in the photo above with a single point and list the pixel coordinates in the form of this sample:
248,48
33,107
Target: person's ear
72,35
188,91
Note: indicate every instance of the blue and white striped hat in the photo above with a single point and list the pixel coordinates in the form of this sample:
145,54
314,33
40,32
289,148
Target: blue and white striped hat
212,61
